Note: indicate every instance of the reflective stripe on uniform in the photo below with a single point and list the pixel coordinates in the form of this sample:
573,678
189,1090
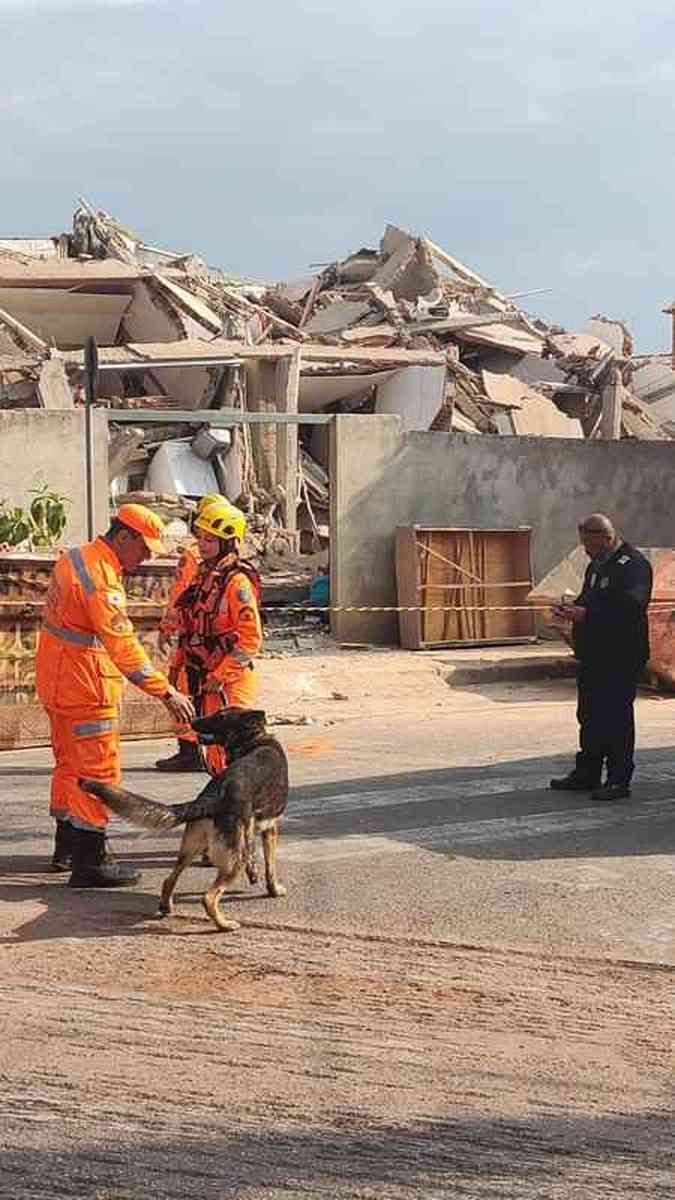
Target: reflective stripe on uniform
90,728
144,673
84,577
72,635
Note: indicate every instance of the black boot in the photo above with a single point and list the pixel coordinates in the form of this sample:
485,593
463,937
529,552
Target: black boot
62,846
612,792
90,869
574,782
187,758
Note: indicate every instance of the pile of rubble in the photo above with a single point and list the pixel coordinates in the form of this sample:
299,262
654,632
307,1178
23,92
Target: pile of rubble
404,328
507,372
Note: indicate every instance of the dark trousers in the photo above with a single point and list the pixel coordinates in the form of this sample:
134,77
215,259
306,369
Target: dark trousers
606,724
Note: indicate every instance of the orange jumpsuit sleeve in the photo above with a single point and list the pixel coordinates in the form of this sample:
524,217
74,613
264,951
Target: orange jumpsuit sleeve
239,621
185,575
106,607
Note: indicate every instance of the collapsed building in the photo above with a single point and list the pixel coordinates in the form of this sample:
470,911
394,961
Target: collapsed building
404,328
380,398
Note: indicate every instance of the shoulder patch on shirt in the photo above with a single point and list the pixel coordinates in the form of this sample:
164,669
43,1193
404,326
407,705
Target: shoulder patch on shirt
625,558
593,579
604,583
116,598
244,594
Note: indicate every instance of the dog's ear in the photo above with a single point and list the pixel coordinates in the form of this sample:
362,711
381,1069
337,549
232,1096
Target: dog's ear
206,724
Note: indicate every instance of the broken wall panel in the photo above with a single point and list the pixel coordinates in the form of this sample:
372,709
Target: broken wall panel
150,317
66,318
415,394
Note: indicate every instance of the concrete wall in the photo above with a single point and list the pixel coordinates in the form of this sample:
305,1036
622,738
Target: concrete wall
382,478
39,447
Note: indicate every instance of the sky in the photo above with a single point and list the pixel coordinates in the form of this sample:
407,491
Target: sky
532,141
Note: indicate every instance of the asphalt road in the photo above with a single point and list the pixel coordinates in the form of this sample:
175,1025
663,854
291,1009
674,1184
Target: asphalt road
467,991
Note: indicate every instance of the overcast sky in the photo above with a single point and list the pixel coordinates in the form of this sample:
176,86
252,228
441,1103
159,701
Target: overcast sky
533,141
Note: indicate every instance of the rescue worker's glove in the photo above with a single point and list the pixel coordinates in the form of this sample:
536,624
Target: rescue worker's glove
180,706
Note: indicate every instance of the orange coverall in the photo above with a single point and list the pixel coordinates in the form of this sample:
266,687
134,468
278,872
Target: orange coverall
87,646
220,635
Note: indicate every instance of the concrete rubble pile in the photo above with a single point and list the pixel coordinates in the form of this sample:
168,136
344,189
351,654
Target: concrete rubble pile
507,372
404,328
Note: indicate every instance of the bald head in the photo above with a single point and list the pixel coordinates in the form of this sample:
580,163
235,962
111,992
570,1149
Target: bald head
597,534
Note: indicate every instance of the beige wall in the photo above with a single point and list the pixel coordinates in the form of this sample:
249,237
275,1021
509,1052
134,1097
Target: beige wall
382,477
39,447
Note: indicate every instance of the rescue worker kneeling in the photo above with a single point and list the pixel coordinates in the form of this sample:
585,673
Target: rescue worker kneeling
87,647
219,621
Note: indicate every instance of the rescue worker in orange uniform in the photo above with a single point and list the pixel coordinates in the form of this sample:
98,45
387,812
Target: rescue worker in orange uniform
188,756
219,614
87,647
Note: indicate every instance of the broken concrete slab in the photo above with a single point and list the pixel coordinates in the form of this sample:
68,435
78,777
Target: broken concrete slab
540,417
337,316
416,394
123,449
611,333
65,318
53,387
503,390
408,272
202,320
504,337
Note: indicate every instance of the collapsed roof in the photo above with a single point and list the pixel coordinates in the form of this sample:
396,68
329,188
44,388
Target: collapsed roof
401,328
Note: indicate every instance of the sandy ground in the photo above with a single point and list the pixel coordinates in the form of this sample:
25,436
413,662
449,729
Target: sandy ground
467,993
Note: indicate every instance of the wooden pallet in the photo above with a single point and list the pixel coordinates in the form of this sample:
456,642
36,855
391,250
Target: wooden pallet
467,570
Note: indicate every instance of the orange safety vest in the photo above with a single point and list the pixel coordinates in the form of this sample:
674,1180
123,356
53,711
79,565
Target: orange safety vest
87,645
220,630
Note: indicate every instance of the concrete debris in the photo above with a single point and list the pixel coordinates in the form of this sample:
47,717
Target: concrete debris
403,327
410,293
53,387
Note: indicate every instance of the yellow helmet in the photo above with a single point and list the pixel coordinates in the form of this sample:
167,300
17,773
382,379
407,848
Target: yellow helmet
214,498
221,519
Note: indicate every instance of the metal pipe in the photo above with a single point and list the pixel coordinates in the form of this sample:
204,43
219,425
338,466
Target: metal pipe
165,363
223,418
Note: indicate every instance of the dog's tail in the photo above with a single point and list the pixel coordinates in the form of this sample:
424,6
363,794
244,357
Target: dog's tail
138,810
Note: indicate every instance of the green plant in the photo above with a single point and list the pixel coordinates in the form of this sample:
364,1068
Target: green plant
43,523
48,514
15,526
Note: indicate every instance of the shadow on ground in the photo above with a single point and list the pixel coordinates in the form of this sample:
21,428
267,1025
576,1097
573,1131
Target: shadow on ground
501,813
351,1156
504,812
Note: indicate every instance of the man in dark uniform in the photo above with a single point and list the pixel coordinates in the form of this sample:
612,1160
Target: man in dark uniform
611,642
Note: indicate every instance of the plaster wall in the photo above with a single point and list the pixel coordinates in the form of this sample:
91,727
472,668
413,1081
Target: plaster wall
39,447
382,477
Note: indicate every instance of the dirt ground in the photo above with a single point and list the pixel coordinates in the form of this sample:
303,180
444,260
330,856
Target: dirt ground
306,1056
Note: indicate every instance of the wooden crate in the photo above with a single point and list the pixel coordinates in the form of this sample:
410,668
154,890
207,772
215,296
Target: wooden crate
465,569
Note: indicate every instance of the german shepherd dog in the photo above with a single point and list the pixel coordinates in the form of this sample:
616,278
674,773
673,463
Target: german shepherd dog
250,795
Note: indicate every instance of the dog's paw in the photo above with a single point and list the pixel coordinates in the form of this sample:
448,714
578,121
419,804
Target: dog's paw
276,891
228,926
